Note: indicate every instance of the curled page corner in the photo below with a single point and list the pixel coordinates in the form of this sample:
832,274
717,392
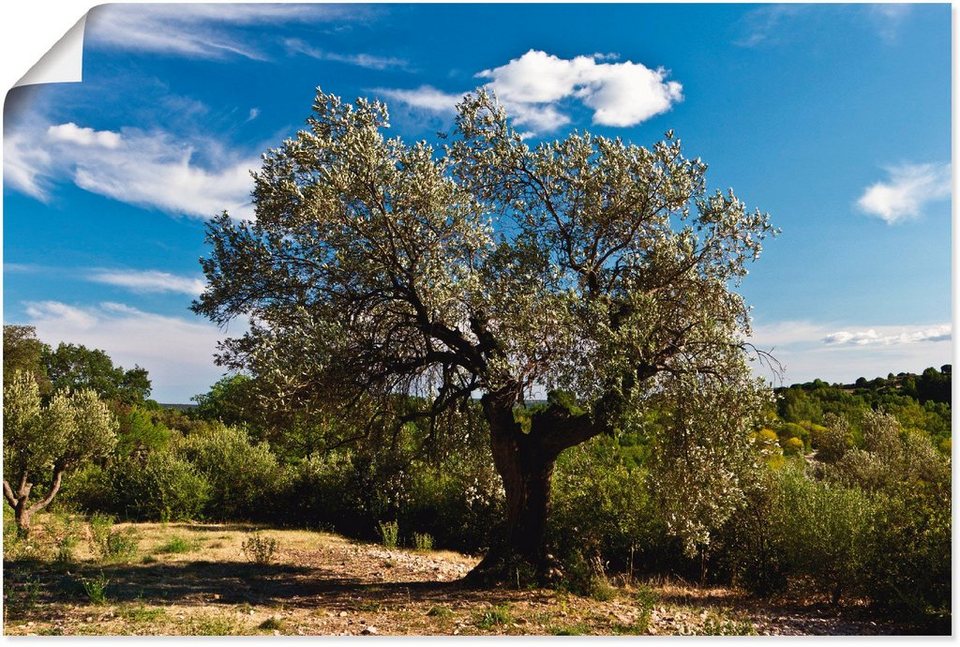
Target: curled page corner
63,63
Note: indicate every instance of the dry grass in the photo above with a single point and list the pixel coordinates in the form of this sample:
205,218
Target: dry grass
323,584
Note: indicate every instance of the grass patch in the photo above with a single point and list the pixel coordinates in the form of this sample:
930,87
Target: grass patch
212,626
494,616
141,613
443,613
715,625
178,544
270,624
575,629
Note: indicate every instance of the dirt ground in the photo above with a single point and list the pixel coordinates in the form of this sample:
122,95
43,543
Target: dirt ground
195,579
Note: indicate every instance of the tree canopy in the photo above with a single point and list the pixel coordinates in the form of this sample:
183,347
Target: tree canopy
593,270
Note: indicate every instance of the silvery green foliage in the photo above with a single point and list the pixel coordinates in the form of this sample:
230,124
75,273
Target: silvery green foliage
40,442
587,264
704,458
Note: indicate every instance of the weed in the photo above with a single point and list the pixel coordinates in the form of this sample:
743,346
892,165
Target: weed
423,541
141,613
178,544
95,588
100,527
494,616
389,533
600,589
440,612
121,545
715,625
271,623
260,549
148,559
26,598
646,598
212,626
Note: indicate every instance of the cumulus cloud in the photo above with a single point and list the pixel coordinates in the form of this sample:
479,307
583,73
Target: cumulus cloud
909,188
149,169
534,87
370,61
148,281
210,31
620,94
177,352
72,133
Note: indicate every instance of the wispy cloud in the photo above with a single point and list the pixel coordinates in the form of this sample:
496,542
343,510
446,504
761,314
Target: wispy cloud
871,337
210,31
177,352
773,24
810,350
148,281
534,86
763,25
370,61
149,169
908,189
426,97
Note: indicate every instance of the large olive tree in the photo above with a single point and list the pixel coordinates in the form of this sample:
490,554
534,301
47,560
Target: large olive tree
593,270
41,442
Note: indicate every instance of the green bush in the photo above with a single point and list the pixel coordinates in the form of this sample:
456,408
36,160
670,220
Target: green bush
242,475
260,549
389,533
160,486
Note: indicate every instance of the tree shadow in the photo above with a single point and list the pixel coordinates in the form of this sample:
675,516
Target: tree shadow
235,583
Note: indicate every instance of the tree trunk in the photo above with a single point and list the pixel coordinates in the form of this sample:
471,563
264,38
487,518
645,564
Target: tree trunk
22,514
525,464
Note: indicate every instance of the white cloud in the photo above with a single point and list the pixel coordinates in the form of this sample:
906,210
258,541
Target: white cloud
370,61
177,352
426,97
909,188
872,337
762,25
148,281
71,132
150,169
532,87
199,30
24,163
254,113
810,350
620,94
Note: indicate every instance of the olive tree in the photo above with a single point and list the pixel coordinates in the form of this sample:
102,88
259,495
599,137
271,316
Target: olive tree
46,441
594,271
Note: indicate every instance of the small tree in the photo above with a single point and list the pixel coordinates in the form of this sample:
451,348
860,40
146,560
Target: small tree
48,441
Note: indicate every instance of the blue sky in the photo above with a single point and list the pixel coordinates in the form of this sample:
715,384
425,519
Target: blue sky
835,119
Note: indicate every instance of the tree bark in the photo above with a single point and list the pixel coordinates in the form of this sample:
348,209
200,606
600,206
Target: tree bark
525,462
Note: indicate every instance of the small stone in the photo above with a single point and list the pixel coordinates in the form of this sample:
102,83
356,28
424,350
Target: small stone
276,632
250,612
370,631
342,614
88,619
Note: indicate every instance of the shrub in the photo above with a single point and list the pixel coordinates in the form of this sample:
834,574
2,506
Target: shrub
242,475
160,486
95,588
389,533
260,549
178,544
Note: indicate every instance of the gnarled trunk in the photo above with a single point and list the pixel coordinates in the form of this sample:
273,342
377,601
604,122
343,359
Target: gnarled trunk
525,462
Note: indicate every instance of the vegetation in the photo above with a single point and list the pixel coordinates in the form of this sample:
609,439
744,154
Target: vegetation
407,305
